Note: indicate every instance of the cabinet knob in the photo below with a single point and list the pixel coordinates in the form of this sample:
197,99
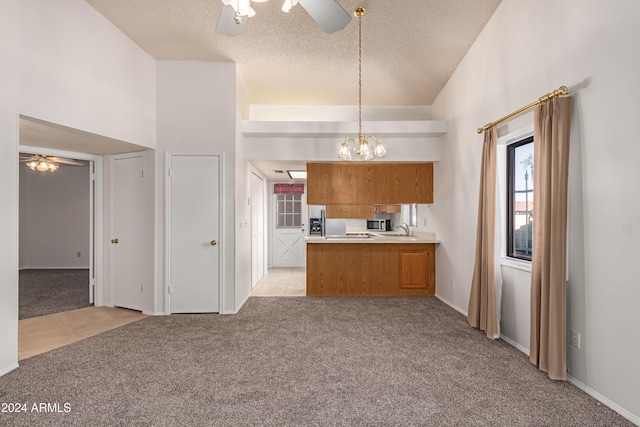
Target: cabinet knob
213,243
114,241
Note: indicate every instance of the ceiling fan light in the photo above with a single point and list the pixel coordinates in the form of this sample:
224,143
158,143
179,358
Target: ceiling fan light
43,166
53,167
288,4
32,165
245,9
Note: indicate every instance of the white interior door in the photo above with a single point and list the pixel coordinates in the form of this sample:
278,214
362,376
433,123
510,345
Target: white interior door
289,214
128,241
257,229
194,189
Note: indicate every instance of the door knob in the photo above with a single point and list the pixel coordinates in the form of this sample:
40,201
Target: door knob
114,241
213,243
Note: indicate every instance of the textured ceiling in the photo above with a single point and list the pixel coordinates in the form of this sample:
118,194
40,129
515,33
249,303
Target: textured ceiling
410,47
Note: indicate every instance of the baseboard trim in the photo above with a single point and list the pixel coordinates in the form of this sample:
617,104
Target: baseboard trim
8,369
452,305
604,400
53,268
591,392
244,301
514,344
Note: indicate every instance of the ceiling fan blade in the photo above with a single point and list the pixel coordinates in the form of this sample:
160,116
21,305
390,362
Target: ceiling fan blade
226,22
327,13
64,161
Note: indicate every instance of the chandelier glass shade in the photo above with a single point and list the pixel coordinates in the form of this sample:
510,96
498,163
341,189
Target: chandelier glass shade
360,143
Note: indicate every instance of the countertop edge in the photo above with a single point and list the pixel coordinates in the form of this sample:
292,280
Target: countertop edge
356,240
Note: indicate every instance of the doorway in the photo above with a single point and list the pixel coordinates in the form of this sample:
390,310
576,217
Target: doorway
56,234
289,215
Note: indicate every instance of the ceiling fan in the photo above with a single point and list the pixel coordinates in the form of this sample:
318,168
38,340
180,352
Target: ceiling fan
43,163
327,13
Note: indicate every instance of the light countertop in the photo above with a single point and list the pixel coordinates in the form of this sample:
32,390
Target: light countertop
363,237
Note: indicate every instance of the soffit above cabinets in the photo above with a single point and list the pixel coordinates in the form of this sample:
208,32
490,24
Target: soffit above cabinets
336,129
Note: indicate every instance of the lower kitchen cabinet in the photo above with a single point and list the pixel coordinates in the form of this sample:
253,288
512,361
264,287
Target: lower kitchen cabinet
389,269
415,269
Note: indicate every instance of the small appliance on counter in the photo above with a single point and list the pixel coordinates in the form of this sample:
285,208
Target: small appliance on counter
315,226
379,224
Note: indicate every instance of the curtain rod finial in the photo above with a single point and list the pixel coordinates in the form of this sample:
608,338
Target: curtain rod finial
485,127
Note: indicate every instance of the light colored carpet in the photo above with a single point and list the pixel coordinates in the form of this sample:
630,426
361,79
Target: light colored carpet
298,362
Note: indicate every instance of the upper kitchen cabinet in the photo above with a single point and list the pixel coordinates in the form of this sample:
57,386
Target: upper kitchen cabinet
369,183
349,211
387,208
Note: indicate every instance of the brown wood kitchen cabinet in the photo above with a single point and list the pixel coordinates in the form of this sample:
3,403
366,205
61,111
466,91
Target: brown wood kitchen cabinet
365,269
349,211
417,268
387,208
369,183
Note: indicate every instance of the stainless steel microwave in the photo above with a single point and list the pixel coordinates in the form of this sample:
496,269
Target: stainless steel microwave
379,224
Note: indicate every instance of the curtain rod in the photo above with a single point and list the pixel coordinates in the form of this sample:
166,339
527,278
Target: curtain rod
561,91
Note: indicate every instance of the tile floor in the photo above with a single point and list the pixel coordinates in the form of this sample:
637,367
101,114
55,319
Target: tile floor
282,282
41,334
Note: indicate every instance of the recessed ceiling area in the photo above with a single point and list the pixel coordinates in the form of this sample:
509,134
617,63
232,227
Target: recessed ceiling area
409,51
410,48
269,168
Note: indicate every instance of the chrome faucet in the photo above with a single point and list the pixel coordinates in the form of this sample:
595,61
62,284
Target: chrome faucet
405,227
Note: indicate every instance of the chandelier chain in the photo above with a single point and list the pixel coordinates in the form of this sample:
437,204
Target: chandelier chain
359,76
361,146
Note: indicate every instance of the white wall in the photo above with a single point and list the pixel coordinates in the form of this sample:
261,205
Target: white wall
65,63
9,28
55,218
78,70
526,50
196,112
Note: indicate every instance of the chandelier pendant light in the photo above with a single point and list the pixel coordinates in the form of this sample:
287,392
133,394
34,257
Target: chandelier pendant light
360,143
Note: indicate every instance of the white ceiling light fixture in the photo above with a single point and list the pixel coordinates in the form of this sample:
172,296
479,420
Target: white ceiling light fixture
360,143
42,164
297,174
327,13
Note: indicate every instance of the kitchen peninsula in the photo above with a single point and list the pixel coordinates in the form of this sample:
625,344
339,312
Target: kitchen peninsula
366,264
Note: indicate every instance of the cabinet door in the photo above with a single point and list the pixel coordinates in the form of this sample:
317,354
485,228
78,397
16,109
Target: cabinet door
413,183
329,183
349,211
418,269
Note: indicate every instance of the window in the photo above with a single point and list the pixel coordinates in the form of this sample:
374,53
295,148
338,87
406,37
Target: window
520,199
410,215
289,210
